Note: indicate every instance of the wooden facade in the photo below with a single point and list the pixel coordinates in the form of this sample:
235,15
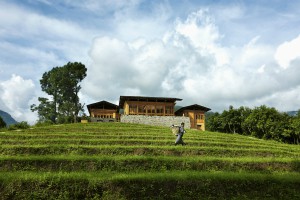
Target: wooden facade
150,106
103,111
196,113
138,105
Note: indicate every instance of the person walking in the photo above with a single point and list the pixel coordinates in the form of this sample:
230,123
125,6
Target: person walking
179,139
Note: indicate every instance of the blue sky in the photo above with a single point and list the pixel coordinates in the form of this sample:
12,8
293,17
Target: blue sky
212,53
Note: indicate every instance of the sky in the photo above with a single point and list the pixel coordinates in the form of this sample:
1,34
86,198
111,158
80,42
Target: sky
214,53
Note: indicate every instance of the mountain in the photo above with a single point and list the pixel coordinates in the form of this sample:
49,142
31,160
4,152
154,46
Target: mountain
7,118
292,113
177,108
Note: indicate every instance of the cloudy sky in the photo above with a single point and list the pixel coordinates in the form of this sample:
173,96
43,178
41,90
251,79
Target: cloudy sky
213,53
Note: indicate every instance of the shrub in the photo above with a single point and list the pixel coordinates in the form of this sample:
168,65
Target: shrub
44,123
20,125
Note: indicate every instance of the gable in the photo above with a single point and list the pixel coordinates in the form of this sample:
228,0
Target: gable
102,105
192,107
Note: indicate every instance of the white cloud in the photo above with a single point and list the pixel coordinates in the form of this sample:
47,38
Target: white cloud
217,56
154,67
20,54
287,52
32,43
32,25
102,6
200,29
35,32
16,95
189,62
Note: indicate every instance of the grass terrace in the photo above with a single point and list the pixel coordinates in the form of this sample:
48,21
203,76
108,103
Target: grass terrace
130,161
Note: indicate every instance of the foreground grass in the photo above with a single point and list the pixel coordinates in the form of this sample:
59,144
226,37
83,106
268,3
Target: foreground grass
128,161
159,185
52,163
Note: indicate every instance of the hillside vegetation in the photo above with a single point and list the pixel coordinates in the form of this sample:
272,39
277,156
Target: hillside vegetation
260,122
129,161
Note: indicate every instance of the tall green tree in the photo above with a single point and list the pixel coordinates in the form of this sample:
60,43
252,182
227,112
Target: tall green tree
46,110
62,84
213,122
262,121
244,112
232,120
295,129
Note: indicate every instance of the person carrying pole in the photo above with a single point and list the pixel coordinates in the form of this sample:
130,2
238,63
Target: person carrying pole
181,131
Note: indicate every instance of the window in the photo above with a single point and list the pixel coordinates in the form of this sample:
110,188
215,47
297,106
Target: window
200,116
141,109
159,109
150,109
169,110
132,109
153,109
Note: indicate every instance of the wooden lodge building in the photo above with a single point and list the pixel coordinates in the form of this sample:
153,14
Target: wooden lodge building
104,111
158,106
196,113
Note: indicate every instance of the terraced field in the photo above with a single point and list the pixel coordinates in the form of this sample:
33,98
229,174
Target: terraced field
128,161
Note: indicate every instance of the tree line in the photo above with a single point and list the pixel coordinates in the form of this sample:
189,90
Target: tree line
261,122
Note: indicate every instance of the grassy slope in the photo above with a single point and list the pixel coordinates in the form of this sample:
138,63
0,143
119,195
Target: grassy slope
127,161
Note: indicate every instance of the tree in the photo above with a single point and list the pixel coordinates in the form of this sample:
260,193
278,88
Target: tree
2,123
295,129
232,120
50,83
261,122
46,110
70,87
244,112
213,122
258,121
62,84
267,123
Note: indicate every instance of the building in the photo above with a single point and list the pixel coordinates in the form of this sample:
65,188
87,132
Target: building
133,108
103,111
196,113
151,106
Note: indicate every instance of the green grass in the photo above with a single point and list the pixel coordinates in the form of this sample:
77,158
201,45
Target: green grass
129,161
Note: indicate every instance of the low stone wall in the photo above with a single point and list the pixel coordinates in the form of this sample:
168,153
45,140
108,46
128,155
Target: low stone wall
156,120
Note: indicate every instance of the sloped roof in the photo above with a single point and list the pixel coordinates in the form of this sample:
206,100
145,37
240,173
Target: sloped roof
146,99
192,107
102,105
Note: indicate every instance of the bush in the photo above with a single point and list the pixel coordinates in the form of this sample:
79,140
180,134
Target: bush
44,123
20,125
65,119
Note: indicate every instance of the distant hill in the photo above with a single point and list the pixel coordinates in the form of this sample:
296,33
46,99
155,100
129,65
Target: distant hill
177,108
292,113
7,118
